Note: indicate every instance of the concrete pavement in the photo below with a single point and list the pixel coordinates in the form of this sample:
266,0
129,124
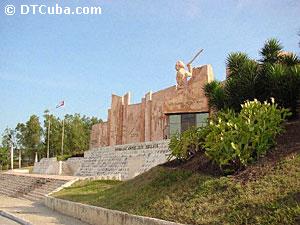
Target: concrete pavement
5,221
34,212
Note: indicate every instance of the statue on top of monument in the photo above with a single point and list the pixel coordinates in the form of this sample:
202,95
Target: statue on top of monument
182,75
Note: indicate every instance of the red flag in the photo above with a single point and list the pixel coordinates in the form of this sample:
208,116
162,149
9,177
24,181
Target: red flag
60,104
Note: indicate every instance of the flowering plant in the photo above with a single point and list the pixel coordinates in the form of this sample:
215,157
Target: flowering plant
235,140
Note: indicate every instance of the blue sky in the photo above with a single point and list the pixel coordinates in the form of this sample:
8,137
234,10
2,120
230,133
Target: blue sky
132,46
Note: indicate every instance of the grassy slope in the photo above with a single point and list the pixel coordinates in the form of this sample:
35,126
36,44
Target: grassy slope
195,198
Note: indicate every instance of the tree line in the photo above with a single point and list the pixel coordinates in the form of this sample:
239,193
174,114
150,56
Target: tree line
31,137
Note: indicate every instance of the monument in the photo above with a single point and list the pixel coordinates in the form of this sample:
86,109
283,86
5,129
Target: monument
159,114
135,138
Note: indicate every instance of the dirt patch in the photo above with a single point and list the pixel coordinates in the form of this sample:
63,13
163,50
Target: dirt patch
198,163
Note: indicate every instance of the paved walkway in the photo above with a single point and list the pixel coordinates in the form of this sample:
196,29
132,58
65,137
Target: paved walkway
5,221
34,212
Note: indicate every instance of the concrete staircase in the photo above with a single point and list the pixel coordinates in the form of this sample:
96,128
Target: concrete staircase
31,188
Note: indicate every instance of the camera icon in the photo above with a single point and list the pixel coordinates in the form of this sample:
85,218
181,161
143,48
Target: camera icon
10,10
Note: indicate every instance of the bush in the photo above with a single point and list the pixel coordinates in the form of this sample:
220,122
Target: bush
235,140
183,146
63,157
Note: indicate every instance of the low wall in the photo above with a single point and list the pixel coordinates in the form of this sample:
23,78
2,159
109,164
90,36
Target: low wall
100,216
74,164
124,161
53,167
46,166
120,162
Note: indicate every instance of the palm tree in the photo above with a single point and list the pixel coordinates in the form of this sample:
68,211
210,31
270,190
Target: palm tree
214,91
271,51
276,74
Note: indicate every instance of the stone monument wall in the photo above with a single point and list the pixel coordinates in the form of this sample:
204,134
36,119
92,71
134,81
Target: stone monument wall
147,121
123,161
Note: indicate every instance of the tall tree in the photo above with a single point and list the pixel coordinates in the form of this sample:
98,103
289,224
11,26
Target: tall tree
7,140
4,157
33,136
20,132
8,137
54,135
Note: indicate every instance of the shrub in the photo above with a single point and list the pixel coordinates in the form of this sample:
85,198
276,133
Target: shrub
63,157
236,139
184,145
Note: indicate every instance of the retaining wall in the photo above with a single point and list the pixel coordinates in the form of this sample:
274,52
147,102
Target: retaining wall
124,161
120,162
100,216
46,166
53,167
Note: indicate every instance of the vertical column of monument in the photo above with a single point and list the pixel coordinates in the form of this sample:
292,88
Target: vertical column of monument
201,76
210,78
148,113
98,134
142,123
108,127
126,102
116,120
103,135
93,137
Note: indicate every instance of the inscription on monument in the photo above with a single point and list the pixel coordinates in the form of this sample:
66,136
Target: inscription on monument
137,147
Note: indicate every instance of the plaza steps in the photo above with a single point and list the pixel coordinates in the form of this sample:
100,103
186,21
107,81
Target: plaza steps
31,188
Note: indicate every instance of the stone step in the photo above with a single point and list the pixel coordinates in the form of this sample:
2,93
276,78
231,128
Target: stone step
32,198
31,188
34,195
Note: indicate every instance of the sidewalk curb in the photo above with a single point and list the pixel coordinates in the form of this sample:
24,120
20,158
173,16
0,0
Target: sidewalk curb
14,218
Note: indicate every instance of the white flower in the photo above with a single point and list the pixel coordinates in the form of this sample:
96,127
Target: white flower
272,100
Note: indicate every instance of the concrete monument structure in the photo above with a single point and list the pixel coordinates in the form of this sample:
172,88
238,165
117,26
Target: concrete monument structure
160,114
132,141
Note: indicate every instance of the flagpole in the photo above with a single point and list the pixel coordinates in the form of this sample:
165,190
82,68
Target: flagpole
62,136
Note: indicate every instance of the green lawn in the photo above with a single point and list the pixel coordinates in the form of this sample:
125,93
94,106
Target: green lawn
194,198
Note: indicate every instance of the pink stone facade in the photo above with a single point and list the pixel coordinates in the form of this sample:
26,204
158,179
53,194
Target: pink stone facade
148,121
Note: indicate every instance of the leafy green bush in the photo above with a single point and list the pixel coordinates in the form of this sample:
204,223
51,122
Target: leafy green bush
184,145
4,159
63,157
236,139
